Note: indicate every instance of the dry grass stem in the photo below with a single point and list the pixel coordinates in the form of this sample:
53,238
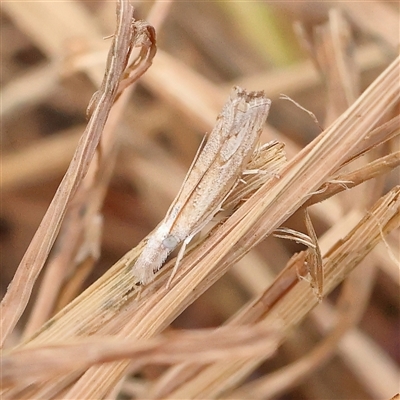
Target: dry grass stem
33,364
20,289
76,322
283,306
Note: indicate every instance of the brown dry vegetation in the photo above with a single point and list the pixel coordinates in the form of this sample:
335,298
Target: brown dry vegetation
248,315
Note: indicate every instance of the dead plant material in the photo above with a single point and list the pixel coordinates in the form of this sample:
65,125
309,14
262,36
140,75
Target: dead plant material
31,364
112,337
287,300
126,37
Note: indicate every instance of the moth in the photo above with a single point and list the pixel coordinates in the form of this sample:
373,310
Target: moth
215,171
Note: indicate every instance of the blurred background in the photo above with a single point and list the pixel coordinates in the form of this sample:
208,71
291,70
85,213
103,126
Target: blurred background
52,60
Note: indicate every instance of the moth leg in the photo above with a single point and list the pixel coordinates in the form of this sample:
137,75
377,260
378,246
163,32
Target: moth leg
139,293
194,233
179,258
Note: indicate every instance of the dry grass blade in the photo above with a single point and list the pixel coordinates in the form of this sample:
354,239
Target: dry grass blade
17,296
352,305
287,301
79,239
256,218
90,330
266,164
157,306
33,364
389,131
314,260
283,379
345,181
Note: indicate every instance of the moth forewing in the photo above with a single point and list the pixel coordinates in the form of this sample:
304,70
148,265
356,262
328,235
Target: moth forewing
213,174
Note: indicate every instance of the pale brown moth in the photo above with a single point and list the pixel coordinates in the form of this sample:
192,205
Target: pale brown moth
216,169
